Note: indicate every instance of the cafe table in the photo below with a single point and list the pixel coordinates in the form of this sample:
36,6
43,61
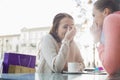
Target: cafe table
56,76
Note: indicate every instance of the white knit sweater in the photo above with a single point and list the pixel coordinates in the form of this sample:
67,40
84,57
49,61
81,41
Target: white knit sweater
55,56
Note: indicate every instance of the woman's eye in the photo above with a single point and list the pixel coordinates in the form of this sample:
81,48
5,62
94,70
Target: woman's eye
70,27
65,27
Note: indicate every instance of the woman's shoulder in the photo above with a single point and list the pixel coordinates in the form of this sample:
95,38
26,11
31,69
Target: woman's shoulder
112,20
113,17
48,38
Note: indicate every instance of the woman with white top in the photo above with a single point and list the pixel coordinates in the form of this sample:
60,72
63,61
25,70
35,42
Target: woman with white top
58,47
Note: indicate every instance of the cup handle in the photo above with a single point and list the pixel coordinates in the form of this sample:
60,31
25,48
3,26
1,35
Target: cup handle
81,66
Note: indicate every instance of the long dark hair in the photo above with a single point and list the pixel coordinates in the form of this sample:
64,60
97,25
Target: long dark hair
55,25
113,5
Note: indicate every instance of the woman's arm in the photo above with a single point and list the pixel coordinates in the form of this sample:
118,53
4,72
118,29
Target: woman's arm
56,61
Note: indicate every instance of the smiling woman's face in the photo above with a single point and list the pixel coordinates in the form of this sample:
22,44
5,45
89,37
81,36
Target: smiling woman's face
64,24
98,17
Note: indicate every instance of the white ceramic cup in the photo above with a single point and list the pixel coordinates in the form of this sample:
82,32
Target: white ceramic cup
74,67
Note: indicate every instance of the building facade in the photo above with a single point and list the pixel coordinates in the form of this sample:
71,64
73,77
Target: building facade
9,43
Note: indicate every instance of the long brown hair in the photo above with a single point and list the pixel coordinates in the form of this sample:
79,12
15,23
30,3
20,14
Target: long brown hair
55,25
113,5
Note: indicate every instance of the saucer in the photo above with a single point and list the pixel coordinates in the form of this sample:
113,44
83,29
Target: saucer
78,72
85,72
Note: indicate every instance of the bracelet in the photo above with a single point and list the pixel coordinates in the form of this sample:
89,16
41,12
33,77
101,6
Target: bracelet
66,42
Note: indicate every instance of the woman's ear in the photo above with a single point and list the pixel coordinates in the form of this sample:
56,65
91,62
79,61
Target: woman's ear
106,11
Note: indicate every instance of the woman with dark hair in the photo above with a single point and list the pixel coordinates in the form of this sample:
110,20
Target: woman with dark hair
58,47
107,20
